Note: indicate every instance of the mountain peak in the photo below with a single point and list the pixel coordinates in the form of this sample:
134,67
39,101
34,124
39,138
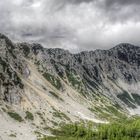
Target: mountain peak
125,46
7,41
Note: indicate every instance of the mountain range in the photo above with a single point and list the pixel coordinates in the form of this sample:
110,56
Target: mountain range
42,88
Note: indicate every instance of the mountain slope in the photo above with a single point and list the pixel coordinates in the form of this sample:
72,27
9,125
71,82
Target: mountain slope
44,88
94,73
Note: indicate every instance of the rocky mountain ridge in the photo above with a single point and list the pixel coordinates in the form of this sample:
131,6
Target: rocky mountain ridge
55,86
89,72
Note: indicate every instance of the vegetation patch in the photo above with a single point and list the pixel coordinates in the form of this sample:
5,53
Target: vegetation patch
54,81
109,113
55,95
61,115
15,116
72,77
12,135
115,112
123,130
29,115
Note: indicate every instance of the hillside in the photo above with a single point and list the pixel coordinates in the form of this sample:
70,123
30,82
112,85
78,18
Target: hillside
42,88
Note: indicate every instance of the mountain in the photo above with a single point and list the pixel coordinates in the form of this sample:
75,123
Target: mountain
42,88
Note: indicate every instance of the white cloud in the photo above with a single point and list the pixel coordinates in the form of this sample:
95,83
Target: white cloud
74,25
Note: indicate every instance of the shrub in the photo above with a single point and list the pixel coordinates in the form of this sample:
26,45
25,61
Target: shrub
55,95
29,115
15,116
61,115
12,135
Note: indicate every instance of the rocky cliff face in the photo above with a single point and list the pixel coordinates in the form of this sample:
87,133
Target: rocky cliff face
11,67
100,72
53,83
90,73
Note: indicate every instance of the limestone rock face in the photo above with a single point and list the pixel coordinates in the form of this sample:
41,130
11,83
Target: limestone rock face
113,73
11,67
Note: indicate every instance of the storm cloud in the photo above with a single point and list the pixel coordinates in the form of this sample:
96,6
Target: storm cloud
72,24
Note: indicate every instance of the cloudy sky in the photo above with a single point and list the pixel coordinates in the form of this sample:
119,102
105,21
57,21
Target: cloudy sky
72,24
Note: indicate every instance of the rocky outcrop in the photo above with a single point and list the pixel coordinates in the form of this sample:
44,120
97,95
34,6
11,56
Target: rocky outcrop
11,67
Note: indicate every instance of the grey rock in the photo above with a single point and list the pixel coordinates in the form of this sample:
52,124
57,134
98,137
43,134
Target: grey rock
93,73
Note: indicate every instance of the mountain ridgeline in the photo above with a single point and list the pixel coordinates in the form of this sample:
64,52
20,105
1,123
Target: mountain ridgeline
113,74
52,86
91,73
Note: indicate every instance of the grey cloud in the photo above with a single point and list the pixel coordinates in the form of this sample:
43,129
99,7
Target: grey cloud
121,2
75,1
107,3
71,24
120,10
113,10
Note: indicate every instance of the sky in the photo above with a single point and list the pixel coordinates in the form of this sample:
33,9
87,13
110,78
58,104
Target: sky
75,25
